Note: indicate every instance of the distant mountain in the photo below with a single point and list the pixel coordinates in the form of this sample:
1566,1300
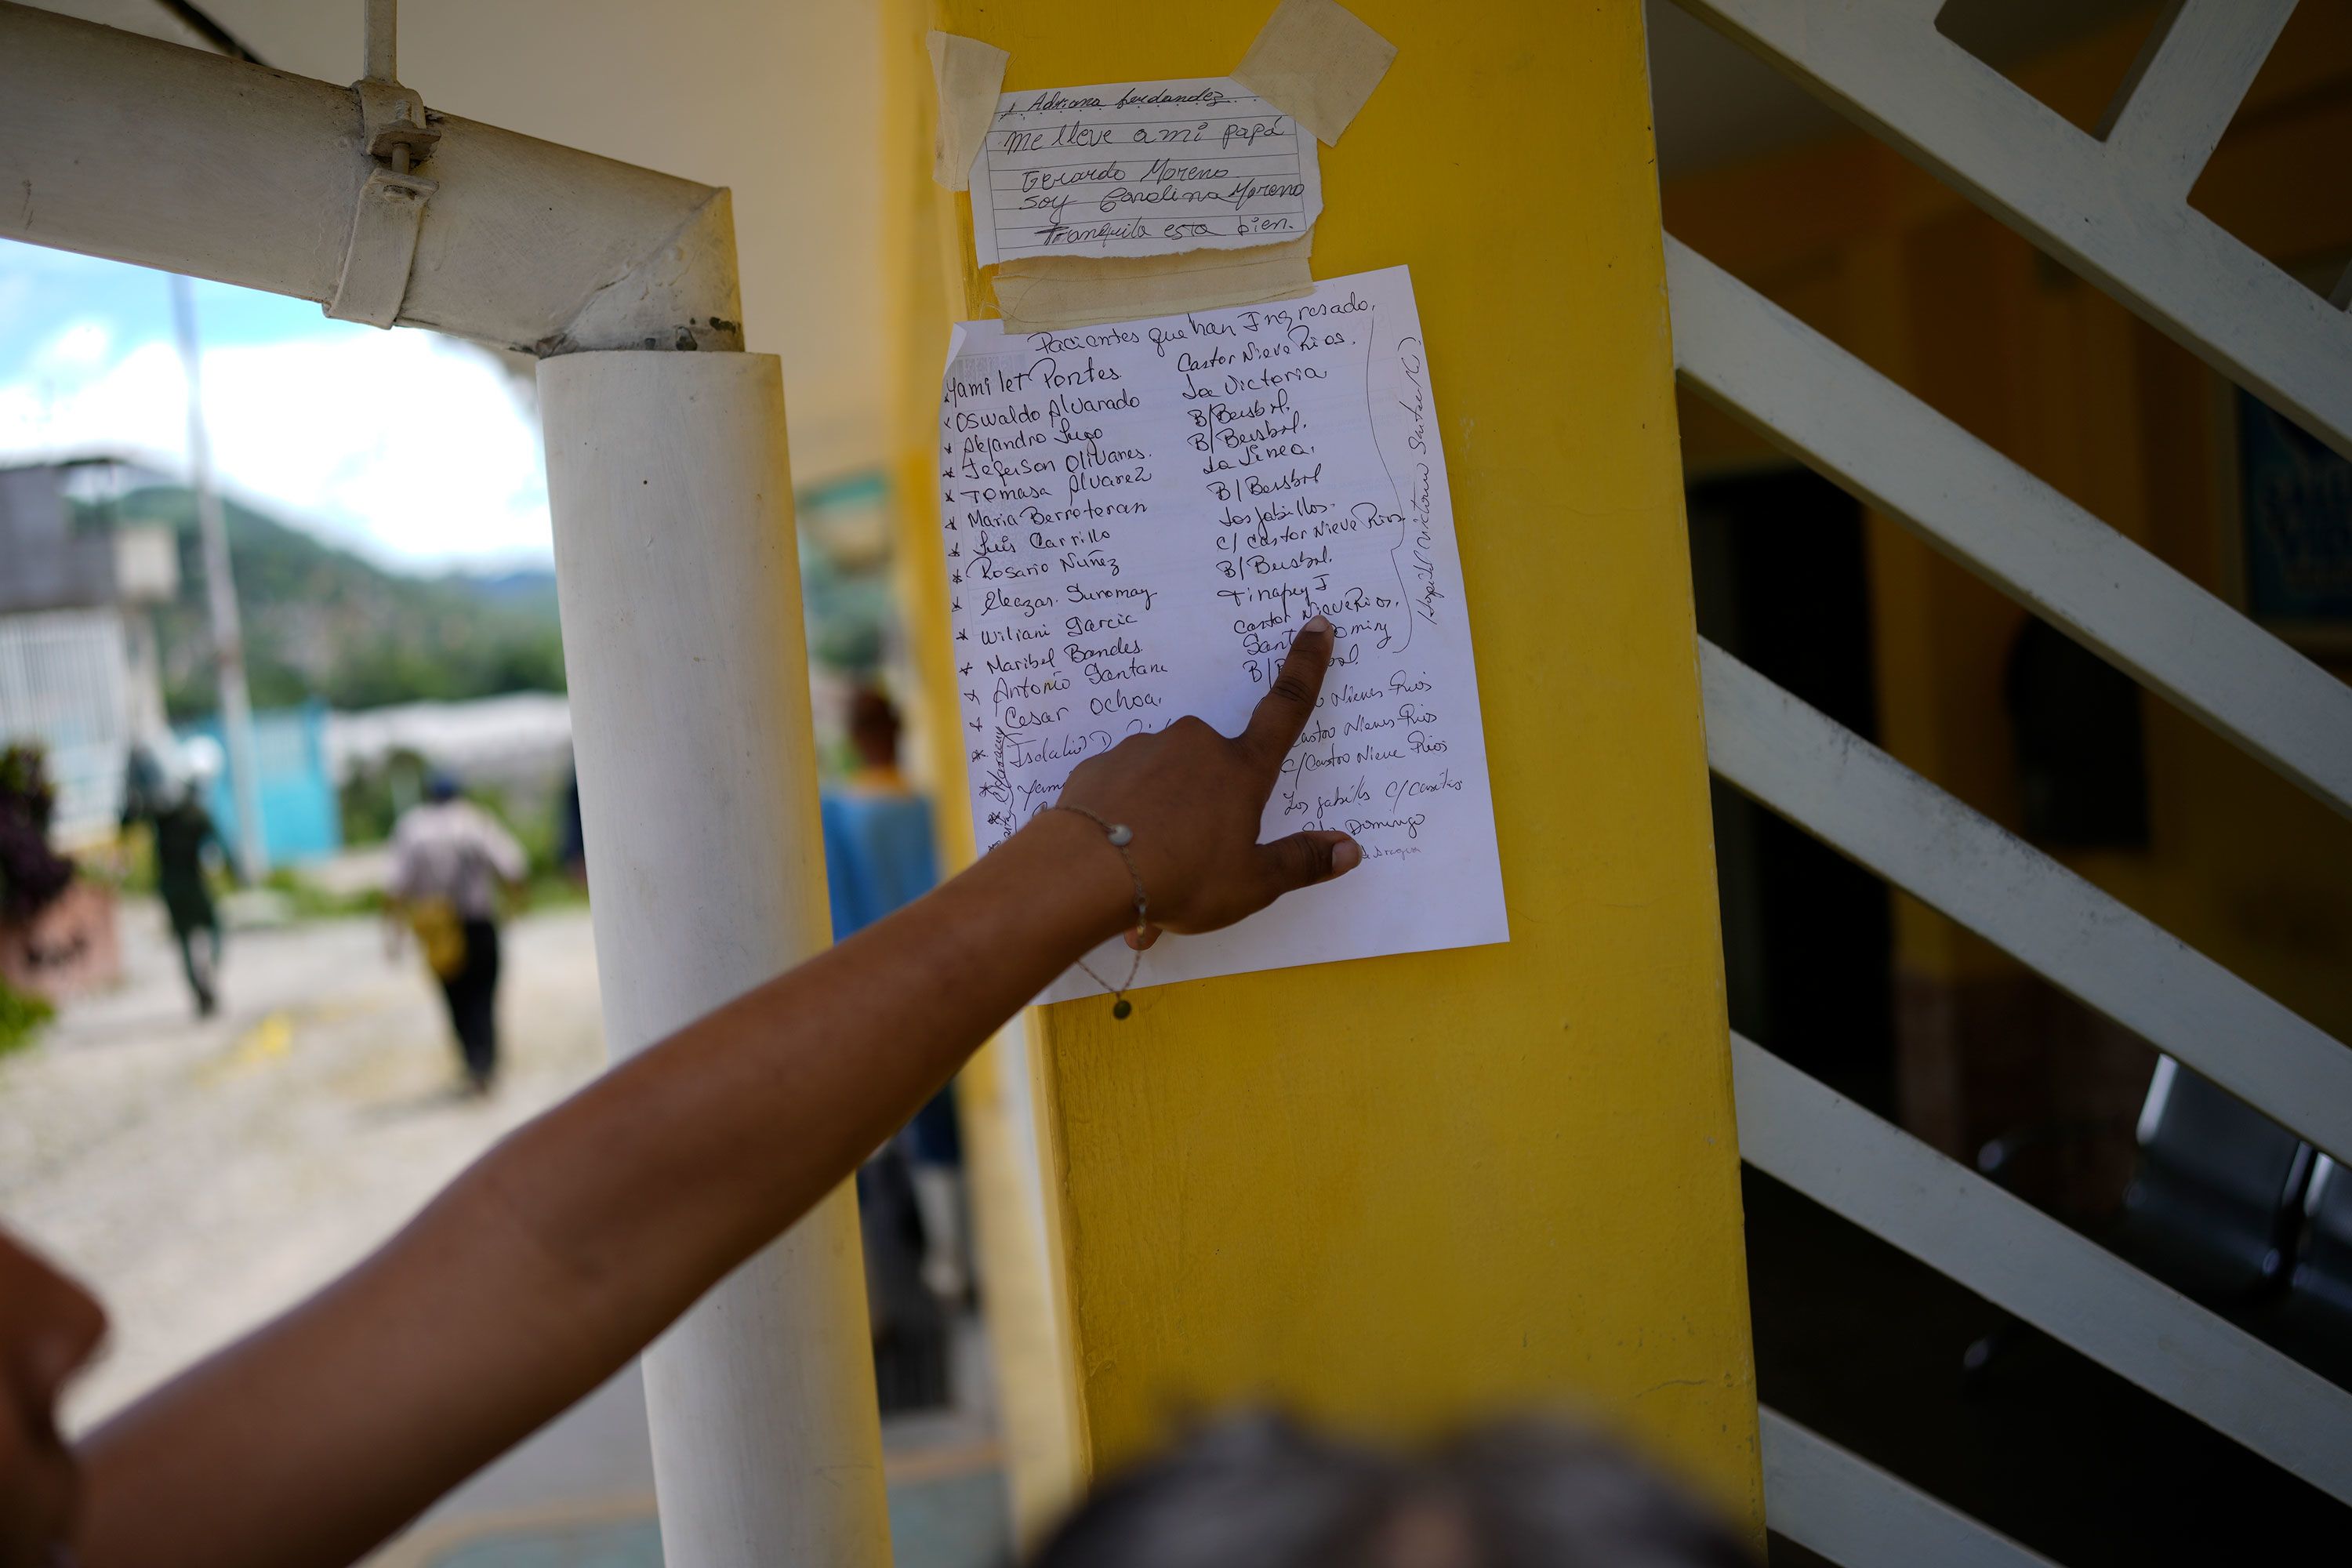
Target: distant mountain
531,587
323,622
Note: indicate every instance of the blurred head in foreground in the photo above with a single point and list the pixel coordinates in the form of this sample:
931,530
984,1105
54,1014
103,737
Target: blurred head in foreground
1259,1491
48,1327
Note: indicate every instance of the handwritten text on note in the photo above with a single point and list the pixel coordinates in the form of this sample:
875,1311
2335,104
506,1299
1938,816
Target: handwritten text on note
1139,516
1142,169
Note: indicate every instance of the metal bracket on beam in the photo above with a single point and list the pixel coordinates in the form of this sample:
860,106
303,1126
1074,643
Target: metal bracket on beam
376,257
396,129
394,123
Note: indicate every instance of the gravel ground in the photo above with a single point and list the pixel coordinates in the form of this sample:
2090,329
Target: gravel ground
202,1175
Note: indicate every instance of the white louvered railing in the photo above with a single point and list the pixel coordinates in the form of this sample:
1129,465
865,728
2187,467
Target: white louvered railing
1902,458
2116,209
2113,206
1850,1510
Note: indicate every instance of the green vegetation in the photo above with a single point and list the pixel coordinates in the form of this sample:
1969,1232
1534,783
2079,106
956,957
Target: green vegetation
306,900
849,613
21,1018
372,798
845,591
323,622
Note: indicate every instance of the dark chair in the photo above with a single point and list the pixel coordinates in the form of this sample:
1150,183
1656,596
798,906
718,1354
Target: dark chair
2325,1271
2315,1318
2215,1206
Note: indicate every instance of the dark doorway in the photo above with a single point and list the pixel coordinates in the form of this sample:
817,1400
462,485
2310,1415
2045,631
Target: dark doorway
1782,586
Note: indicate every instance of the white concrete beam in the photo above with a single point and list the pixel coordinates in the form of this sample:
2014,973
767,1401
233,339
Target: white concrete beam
127,147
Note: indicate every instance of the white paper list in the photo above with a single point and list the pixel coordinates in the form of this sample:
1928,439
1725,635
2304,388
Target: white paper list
1144,168
1138,518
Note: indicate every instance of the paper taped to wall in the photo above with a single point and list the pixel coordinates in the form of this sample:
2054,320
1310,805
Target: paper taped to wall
965,74
1139,516
1316,60
1143,168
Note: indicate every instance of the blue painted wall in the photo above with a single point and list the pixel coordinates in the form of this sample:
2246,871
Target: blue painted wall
300,819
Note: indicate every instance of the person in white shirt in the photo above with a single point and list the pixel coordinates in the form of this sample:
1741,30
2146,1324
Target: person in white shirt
451,863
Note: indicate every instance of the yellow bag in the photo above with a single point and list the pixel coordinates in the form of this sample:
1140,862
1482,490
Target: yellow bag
440,935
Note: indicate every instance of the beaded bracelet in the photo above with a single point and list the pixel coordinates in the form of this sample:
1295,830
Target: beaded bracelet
1120,836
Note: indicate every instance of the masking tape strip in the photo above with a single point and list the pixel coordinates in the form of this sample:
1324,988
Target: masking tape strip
969,76
1040,293
1317,63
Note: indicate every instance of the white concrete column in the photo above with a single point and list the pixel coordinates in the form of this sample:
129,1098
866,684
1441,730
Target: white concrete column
680,584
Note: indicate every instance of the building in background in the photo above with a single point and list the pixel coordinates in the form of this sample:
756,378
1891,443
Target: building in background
78,669
81,669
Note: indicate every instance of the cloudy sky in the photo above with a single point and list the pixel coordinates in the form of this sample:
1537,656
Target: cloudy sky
448,476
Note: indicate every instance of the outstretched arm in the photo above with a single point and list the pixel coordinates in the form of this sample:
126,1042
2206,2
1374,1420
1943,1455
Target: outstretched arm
566,1248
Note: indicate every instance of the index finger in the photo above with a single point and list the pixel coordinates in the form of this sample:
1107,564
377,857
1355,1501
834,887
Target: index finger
1283,711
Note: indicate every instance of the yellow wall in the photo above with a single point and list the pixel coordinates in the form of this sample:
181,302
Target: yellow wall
1954,307
1401,1192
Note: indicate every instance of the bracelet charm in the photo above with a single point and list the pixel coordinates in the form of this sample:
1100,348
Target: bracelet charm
1120,836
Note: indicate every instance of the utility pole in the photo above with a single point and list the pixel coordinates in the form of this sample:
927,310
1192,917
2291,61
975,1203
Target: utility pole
220,595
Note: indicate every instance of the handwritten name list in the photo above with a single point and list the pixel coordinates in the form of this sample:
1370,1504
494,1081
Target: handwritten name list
1139,516
1142,169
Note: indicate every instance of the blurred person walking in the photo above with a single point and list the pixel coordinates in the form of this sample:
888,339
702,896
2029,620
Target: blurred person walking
451,862
184,832
880,856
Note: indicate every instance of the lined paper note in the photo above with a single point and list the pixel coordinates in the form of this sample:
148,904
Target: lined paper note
1146,168
1138,518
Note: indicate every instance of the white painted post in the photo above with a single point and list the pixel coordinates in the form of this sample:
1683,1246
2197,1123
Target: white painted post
679,584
